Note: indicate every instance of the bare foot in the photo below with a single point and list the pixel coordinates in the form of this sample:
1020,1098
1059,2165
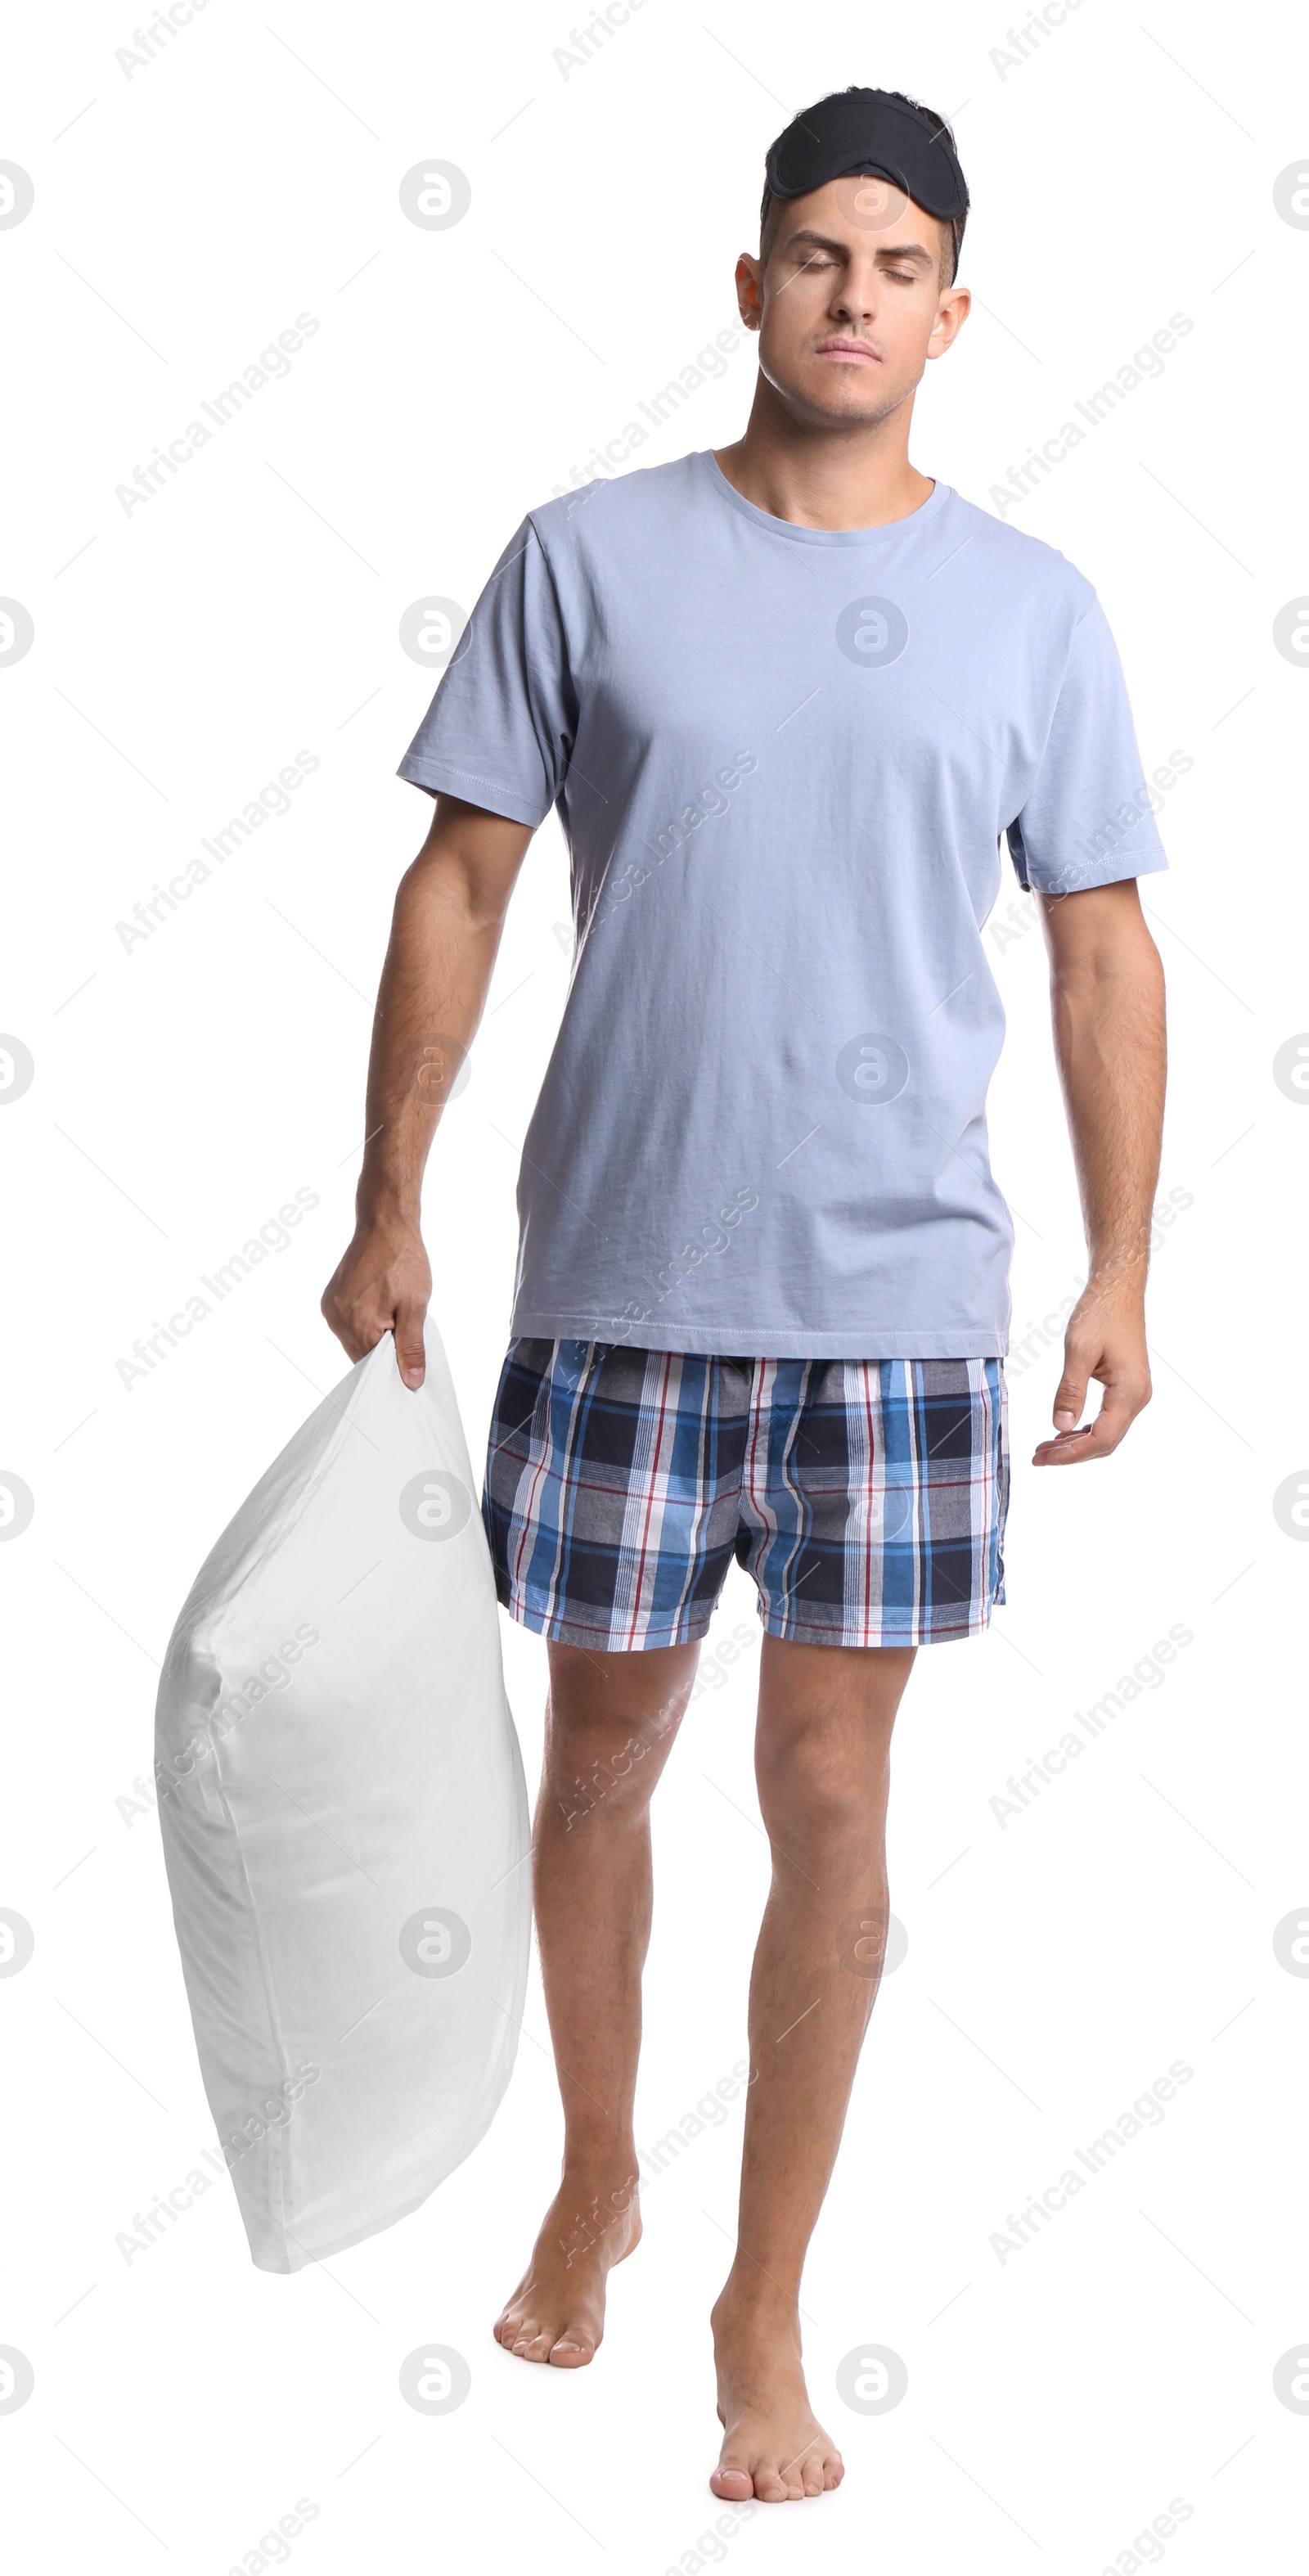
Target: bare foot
773,2444
556,2314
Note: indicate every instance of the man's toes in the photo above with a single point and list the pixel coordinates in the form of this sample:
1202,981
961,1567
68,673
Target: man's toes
812,2475
770,2485
572,2349
732,2482
833,2469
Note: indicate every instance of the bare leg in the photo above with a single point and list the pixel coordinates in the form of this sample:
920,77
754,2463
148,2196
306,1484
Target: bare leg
822,1765
610,1724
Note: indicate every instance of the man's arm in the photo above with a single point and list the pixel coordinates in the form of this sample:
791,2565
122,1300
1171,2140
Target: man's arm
449,914
1107,1005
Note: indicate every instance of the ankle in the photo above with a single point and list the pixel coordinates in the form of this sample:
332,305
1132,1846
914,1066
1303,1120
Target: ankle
599,2164
591,2212
750,2295
601,2191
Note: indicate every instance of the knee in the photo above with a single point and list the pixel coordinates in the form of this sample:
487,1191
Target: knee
815,1782
592,1765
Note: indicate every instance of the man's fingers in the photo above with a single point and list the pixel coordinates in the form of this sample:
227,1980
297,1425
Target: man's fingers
1099,1438
345,1332
1070,1396
382,1285
357,1333
1091,1441
1108,1348
409,1349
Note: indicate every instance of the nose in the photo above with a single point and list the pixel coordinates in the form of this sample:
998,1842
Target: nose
855,298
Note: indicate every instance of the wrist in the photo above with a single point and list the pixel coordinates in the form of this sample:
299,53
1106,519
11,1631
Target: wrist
388,1204
1119,1265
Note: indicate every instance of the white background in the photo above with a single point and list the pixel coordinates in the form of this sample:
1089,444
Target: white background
185,1088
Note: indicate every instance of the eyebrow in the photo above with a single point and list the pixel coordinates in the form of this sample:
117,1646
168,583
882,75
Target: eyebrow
886,250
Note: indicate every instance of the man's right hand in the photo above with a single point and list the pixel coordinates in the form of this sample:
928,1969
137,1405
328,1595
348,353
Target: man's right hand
382,1285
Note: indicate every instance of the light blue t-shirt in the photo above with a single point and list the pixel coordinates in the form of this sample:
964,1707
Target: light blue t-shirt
783,759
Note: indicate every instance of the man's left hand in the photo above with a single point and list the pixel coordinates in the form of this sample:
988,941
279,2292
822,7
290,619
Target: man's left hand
1105,1341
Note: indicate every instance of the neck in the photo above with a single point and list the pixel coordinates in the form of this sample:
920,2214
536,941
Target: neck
819,476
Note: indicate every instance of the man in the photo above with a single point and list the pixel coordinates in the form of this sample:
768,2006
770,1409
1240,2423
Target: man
786,699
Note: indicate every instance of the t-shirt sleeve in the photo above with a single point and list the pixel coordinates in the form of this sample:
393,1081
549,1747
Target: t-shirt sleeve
499,731
1088,817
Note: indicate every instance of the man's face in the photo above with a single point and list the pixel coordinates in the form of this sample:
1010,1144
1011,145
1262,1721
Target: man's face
850,306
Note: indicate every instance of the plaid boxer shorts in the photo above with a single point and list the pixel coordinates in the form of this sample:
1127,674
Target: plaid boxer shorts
866,1497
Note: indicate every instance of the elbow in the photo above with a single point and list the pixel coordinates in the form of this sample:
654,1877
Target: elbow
439,881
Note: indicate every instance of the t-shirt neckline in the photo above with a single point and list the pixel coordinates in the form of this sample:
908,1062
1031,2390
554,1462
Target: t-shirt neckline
927,509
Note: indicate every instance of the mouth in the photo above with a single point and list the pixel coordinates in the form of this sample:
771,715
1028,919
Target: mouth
848,353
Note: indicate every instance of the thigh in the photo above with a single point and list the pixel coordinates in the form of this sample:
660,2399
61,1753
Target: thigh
612,1491
875,1492
611,1717
833,1705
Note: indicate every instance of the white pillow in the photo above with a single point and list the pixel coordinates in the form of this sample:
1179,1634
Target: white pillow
345,1820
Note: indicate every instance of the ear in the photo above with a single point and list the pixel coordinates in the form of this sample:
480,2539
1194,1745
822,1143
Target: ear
750,290
951,314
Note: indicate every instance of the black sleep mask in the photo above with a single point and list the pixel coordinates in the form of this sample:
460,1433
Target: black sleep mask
867,130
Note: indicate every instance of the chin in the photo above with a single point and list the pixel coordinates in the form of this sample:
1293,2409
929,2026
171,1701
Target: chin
845,401
820,394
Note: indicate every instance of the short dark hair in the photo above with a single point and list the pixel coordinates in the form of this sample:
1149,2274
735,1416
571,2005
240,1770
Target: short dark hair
770,212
